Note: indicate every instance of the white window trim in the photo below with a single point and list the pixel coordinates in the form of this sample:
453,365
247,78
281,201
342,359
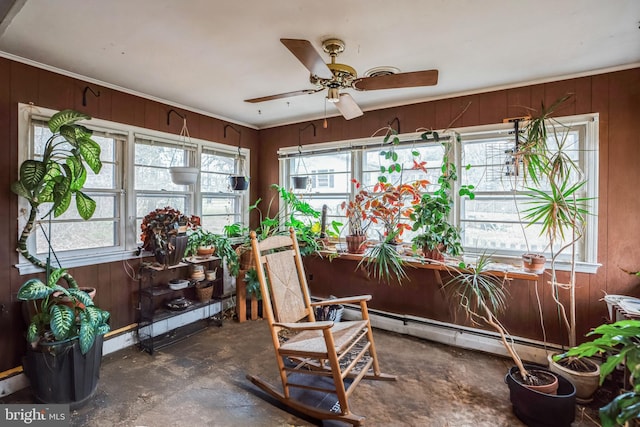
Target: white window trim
129,233
590,265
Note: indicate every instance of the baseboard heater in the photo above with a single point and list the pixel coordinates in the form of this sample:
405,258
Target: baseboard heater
454,335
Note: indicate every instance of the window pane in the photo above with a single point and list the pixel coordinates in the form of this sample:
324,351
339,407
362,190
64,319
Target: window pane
151,178
77,235
217,163
327,173
146,204
215,224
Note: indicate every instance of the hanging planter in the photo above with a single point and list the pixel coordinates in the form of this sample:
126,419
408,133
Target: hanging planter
239,183
184,175
300,182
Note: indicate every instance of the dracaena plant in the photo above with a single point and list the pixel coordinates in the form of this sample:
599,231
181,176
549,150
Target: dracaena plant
54,181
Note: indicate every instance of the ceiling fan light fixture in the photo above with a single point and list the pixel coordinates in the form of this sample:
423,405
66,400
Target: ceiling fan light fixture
333,95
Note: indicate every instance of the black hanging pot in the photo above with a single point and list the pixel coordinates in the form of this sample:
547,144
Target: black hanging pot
239,183
300,182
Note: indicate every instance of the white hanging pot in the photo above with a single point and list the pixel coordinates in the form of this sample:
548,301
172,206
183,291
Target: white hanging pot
184,175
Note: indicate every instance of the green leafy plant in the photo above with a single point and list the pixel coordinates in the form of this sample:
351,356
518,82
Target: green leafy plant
431,216
199,238
620,343
544,158
54,320
53,181
223,247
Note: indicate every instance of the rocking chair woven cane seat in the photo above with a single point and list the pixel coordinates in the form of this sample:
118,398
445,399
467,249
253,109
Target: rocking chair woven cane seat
315,356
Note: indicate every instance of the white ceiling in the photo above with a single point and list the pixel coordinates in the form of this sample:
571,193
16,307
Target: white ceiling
210,56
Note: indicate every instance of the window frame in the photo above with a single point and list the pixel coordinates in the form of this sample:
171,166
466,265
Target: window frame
129,234
358,147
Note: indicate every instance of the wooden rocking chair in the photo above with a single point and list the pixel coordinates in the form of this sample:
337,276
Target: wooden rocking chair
316,359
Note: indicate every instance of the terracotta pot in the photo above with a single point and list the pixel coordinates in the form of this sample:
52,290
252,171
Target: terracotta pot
205,250
355,244
533,263
586,383
435,254
549,382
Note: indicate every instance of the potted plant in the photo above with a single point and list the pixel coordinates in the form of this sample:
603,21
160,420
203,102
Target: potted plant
65,334
619,343
557,208
437,235
293,212
164,234
538,396
200,242
356,216
390,203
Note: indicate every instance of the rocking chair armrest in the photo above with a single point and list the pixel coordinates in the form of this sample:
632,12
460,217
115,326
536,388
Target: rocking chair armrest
344,300
306,326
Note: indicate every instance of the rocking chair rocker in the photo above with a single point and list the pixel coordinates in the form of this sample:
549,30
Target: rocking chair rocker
315,358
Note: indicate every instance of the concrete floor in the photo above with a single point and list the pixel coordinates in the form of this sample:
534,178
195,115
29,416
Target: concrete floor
201,382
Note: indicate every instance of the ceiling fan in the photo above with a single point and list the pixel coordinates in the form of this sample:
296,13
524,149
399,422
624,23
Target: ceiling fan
334,76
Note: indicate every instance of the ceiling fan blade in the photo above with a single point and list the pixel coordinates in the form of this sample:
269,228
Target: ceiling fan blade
393,81
348,107
310,58
283,95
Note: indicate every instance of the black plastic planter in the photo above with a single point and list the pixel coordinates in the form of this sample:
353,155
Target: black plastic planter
60,373
239,183
300,182
537,409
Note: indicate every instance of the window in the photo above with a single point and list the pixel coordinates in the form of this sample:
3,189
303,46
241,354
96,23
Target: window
69,232
153,185
220,205
490,222
330,180
134,180
494,221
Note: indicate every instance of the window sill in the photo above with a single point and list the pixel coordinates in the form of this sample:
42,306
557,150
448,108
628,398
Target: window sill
25,267
498,269
511,266
516,262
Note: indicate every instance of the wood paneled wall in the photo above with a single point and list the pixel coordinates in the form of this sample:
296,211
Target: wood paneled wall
615,96
20,83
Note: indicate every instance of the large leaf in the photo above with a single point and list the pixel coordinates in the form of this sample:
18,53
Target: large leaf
54,276
86,205
65,117
34,289
18,188
81,296
32,172
90,151
61,196
88,331
33,331
62,321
